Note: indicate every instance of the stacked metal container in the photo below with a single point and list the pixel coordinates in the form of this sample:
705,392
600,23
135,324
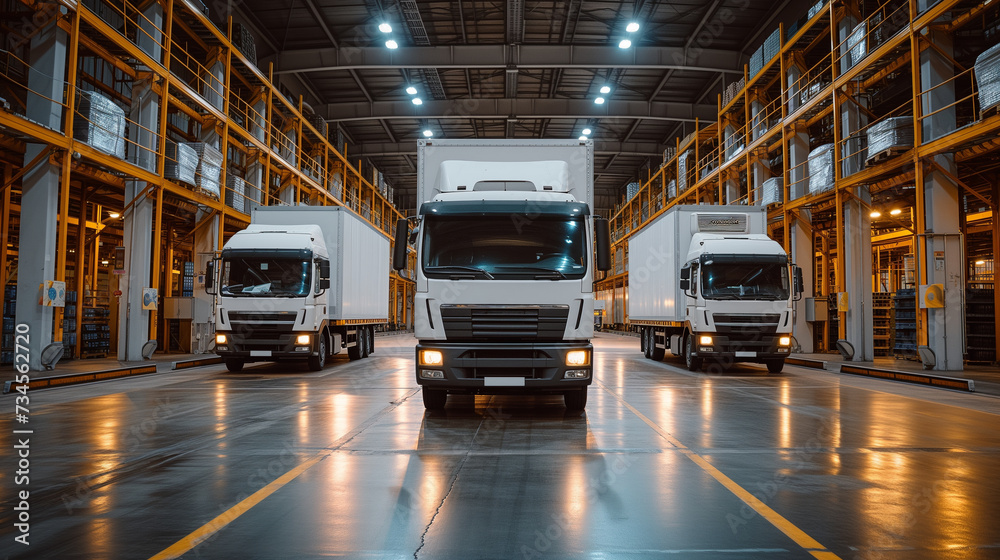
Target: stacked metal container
100,123
888,134
243,41
988,78
820,165
857,45
632,190
672,189
209,168
772,45
181,163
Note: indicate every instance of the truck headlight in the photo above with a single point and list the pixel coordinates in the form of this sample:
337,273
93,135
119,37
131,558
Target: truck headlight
220,339
578,358
785,341
431,358
302,339
705,341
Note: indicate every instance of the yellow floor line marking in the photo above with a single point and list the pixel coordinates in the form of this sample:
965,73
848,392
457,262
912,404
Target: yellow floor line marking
811,545
209,529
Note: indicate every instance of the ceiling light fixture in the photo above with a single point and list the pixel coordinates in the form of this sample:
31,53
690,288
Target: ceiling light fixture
114,215
392,44
418,101
599,101
411,90
587,131
625,44
895,212
606,89
583,138
105,262
385,28
428,133
875,214
980,263
632,27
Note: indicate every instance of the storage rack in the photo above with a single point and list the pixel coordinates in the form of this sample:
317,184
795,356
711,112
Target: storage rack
980,323
208,84
802,90
905,319
882,320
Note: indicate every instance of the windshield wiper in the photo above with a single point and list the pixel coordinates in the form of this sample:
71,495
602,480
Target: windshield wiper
547,272
443,268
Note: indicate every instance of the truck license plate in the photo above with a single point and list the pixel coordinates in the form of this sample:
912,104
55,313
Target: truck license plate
503,381
746,354
260,353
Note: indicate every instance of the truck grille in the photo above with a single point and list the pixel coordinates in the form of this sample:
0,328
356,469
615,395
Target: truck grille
467,322
260,325
746,325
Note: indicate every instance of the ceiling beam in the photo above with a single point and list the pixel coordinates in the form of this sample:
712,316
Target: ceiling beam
601,147
523,108
505,56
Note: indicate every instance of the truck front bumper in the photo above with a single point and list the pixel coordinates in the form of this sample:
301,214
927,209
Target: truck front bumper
765,347
505,367
250,349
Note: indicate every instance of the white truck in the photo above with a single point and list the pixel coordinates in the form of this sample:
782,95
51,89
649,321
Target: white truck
708,283
505,267
300,283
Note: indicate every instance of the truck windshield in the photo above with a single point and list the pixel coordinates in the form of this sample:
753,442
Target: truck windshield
265,277
508,246
745,280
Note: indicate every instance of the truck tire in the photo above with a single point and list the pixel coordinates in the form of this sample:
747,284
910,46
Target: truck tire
354,352
234,365
576,400
434,399
316,363
363,341
654,352
644,342
371,340
775,366
692,362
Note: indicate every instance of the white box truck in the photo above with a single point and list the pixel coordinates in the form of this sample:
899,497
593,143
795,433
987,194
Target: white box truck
300,283
708,283
505,267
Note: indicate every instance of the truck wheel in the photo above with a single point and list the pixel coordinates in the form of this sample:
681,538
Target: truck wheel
775,366
654,352
354,352
234,365
363,341
371,340
692,362
316,363
576,400
643,342
434,399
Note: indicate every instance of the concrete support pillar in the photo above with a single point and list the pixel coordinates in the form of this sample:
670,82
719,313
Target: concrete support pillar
40,191
255,176
941,246
206,244
857,248
758,174
798,158
213,86
758,122
260,109
793,87
150,35
287,195
801,254
133,320
731,186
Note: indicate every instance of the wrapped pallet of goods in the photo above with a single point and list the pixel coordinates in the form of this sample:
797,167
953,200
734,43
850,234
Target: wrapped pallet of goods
889,137
857,45
772,45
209,168
682,169
181,163
100,122
236,194
988,78
243,41
772,191
672,189
821,169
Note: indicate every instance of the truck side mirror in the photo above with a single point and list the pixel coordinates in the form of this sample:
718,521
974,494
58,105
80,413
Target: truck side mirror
799,285
324,283
210,277
324,269
685,278
603,233
399,249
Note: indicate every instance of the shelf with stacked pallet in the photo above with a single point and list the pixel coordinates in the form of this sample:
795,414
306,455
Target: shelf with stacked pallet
905,324
980,323
882,321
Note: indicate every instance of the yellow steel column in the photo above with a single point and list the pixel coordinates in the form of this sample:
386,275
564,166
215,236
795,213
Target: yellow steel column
81,248
161,159
154,280
919,216
5,226
65,188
